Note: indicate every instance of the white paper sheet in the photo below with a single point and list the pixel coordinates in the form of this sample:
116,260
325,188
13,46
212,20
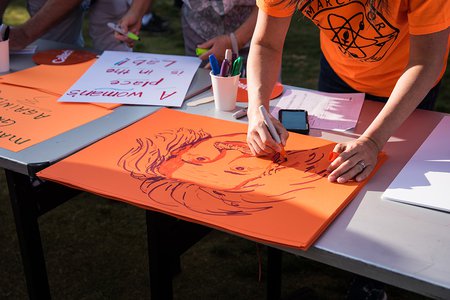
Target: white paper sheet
327,111
425,179
135,78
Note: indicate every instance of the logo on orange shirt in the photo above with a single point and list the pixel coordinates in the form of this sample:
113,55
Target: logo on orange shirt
358,31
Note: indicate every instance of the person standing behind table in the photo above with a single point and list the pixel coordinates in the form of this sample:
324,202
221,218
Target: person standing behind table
217,26
395,51
127,13
62,21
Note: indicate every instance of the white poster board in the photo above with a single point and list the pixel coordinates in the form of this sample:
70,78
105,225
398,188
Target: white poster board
135,78
425,179
328,111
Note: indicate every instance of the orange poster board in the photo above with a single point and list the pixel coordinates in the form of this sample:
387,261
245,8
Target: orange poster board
200,169
47,78
55,80
242,95
29,116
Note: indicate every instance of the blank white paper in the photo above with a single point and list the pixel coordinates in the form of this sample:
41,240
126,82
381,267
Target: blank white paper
425,179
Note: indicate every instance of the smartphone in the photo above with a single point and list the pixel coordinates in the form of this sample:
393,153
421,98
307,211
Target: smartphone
295,120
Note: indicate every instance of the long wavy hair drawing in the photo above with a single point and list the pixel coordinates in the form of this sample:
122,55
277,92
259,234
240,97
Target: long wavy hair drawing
217,175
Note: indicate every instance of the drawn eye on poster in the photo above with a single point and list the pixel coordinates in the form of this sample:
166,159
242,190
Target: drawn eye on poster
200,169
135,78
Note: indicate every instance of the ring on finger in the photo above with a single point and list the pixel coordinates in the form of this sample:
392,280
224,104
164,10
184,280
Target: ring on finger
362,164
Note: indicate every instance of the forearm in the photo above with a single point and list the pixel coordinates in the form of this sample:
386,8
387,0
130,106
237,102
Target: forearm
264,62
245,31
261,77
139,7
427,59
50,14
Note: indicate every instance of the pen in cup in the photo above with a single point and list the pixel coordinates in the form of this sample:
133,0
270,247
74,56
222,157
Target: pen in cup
214,64
229,55
118,29
225,69
4,32
237,65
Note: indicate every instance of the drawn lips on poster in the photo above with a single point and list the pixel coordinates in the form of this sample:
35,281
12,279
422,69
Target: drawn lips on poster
217,175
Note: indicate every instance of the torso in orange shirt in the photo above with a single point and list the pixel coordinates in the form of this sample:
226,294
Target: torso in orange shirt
368,48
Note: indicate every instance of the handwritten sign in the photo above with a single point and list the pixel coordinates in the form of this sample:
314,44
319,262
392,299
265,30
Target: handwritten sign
29,116
135,78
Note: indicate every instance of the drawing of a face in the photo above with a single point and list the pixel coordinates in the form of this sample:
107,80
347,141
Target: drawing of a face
217,174
217,162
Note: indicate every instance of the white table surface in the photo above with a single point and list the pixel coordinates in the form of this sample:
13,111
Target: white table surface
400,244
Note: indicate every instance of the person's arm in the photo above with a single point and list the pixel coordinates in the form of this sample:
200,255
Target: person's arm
263,67
3,6
426,60
131,21
52,12
219,44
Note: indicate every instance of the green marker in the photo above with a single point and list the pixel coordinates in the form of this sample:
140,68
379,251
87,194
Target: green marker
129,34
237,65
200,51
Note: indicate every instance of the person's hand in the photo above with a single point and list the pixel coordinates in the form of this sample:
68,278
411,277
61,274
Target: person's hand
259,139
18,38
216,46
129,22
357,160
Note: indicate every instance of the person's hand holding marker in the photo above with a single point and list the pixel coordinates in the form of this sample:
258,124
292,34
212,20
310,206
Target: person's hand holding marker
130,24
216,46
200,51
126,35
259,139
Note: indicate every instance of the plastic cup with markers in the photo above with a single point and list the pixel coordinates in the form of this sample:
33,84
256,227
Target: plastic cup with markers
224,91
225,81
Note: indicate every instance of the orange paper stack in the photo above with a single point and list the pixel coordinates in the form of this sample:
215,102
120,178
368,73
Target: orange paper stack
200,169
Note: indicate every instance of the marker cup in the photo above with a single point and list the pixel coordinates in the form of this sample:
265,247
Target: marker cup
225,91
4,56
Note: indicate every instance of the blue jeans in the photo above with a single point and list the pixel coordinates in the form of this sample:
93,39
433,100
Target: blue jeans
330,82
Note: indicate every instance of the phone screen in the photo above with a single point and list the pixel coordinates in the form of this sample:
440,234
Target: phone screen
295,120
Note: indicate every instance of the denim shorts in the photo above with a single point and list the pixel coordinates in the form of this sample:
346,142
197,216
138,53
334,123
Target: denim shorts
330,82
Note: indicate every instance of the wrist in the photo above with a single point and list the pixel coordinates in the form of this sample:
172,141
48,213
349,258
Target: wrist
234,43
373,142
253,112
22,35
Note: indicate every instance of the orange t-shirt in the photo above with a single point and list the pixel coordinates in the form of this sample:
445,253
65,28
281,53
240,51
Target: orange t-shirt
368,51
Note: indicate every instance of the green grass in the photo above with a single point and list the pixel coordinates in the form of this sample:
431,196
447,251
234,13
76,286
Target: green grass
95,248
